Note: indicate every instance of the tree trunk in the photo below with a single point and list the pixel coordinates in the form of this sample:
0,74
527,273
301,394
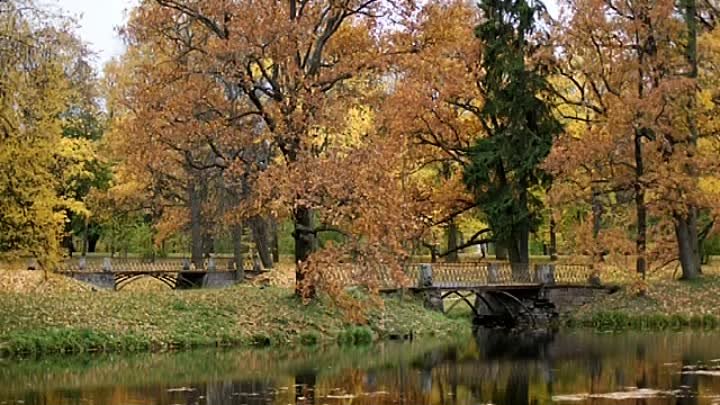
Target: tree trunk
433,254
553,240
640,209
597,213
93,240
67,241
274,241
686,248
196,228
259,228
519,254
501,251
695,238
452,243
686,225
208,242
237,232
85,238
305,243
519,246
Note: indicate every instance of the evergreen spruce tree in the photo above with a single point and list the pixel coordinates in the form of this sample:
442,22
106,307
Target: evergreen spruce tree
519,125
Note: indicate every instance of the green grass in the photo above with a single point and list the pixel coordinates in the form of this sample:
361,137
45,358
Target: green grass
667,304
619,321
75,322
356,335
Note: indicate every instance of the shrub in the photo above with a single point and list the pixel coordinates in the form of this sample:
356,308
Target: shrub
309,338
356,335
260,340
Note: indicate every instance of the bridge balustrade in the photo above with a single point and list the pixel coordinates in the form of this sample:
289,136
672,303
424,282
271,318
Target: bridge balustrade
107,264
467,274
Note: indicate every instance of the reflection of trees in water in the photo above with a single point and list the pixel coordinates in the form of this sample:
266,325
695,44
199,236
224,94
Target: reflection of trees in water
518,345
238,392
689,385
504,369
305,381
517,391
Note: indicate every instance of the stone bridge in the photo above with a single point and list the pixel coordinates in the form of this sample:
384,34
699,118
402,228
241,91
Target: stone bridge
505,294
117,274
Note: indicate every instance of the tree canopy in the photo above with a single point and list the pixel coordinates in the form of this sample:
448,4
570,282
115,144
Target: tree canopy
358,134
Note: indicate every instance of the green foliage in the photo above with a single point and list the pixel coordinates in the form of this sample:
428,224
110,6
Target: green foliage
131,234
33,92
141,240
355,335
260,339
619,321
309,339
520,126
709,321
286,243
69,340
711,246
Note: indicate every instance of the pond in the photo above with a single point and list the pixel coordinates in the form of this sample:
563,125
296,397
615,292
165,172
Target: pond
504,369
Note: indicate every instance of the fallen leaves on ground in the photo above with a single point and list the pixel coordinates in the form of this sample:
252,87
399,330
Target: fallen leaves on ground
25,281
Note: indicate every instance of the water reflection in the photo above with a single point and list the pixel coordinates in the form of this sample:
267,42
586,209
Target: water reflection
502,369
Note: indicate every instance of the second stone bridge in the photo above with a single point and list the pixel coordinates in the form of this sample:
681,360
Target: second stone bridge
508,294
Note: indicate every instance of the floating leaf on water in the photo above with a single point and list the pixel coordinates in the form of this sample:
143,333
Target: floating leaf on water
376,393
181,389
620,395
570,397
711,373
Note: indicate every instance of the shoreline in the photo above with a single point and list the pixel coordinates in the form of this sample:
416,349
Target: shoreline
618,321
667,304
55,321
240,316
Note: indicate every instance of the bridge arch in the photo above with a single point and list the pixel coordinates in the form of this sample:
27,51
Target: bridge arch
462,298
493,307
172,281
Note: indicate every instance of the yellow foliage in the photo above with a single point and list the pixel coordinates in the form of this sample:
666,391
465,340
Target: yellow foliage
36,161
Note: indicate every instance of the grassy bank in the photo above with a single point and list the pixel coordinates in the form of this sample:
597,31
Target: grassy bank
87,321
667,304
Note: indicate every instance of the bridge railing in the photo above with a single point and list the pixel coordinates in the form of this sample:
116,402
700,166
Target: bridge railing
466,274
139,265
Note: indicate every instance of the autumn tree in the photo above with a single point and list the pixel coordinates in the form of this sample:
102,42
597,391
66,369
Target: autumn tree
183,119
294,78
159,143
625,81
433,105
83,121
460,114
694,162
36,54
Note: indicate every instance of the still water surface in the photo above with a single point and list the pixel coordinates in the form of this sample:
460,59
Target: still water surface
527,369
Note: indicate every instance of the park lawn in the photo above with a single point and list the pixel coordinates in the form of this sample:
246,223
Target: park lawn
84,320
667,303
